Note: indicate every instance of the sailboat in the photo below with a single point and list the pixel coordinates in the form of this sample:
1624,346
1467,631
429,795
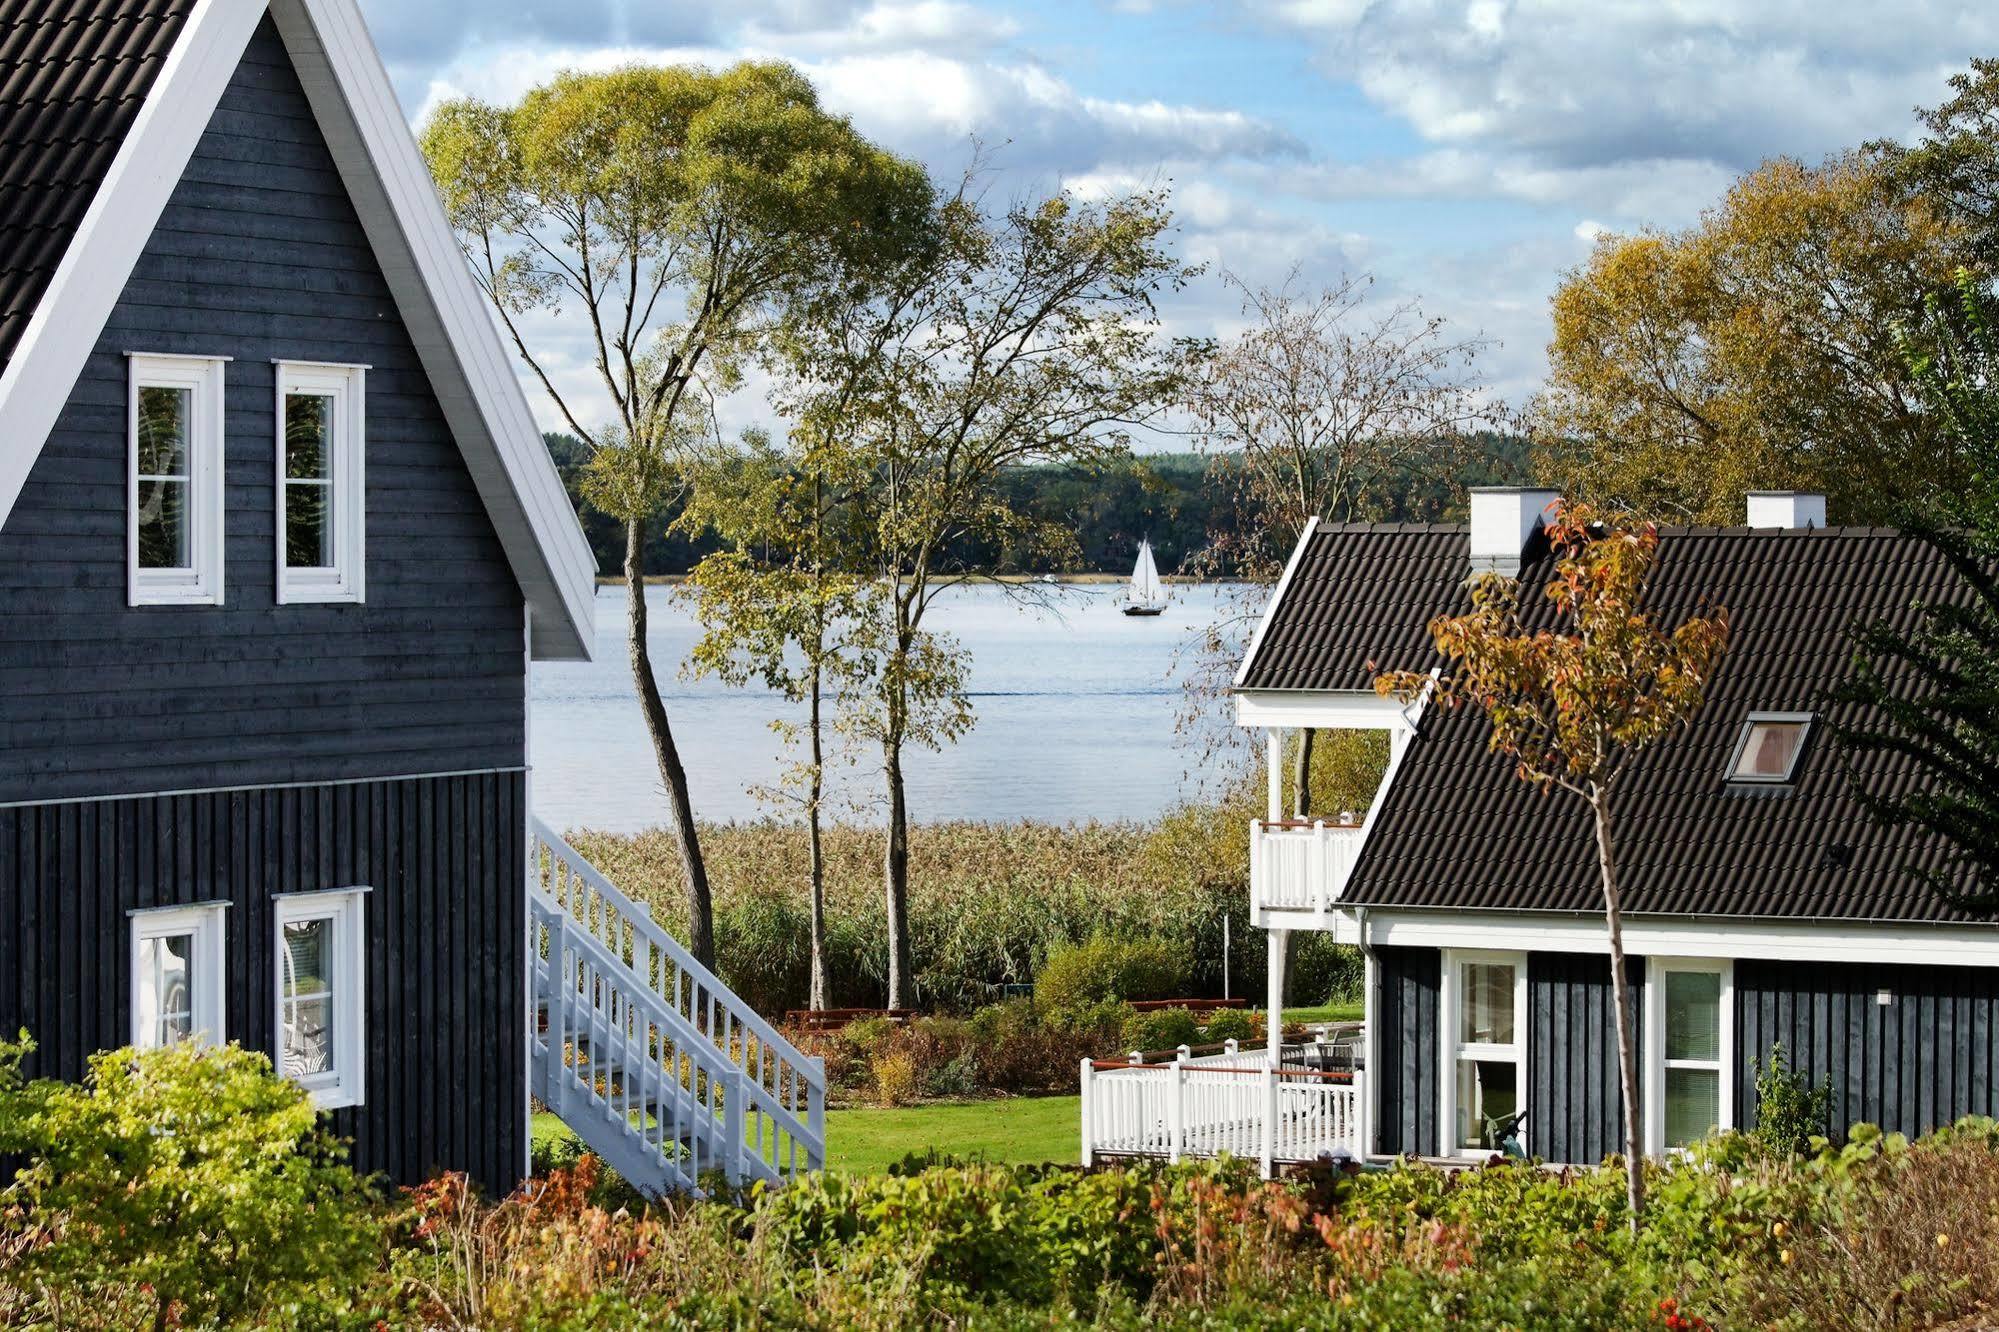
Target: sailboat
1147,595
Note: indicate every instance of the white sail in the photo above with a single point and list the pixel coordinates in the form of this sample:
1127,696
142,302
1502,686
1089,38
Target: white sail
1145,588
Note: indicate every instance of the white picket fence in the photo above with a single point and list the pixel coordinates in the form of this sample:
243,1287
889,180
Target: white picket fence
1297,866
1237,1103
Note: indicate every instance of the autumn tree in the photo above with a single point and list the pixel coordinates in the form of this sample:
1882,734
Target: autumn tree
1954,169
1025,337
1572,702
1756,349
1929,694
667,216
1321,403
777,606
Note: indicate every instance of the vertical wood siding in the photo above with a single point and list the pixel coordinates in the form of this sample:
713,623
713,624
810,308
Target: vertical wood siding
1914,1064
1408,981
259,255
1574,1107
446,1019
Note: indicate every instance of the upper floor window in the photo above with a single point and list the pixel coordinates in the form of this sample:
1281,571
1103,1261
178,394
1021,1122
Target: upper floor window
322,1011
1770,747
177,974
322,412
173,531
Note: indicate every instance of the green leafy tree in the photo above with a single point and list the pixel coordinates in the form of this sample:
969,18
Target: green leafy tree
195,1174
776,607
1954,169
1571,706
1024,338
670,214
1929,695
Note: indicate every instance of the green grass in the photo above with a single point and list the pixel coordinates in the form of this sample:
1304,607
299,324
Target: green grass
1018,1130
1347,1012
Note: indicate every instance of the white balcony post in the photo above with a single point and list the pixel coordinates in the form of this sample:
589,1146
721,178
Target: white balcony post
1320,879
1258,895
1269,1161
1278,941
1089,1134
1176,1113
1274,744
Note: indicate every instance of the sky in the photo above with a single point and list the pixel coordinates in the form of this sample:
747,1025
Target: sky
1465,153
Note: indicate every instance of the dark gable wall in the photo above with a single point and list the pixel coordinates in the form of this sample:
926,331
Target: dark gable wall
258,256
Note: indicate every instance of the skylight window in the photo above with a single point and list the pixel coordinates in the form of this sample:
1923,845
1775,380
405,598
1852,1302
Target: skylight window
1771,745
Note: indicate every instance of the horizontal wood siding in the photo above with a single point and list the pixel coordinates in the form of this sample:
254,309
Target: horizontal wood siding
1916,1063
259,256
446,923
1574,1106
1406,1092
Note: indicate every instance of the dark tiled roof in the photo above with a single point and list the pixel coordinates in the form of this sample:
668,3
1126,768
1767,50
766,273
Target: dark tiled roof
73,74
1460,830
1362,592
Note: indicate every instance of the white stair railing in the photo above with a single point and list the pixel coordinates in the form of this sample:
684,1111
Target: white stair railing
660,1068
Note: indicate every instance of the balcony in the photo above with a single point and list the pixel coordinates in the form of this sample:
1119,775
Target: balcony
1300,865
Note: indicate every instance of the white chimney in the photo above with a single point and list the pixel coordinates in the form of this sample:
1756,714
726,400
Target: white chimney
1503,521
1786,508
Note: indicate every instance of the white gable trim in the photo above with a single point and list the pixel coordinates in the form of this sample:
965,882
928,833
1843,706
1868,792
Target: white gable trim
469,370
1276,598
114,231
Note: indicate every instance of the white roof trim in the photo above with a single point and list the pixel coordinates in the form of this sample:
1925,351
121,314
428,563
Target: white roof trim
470,371
72,312
1276,598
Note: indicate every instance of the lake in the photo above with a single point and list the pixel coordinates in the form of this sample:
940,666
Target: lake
1076,713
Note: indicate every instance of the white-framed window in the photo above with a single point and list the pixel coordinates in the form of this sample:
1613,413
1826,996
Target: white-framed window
322,1010
178,968
1483,1014
174,439
1689,1050
1768,750
322,482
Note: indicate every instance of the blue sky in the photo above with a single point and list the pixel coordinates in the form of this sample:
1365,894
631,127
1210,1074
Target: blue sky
1464,152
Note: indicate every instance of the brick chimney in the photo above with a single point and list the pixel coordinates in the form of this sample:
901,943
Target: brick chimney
1503,522
1786,508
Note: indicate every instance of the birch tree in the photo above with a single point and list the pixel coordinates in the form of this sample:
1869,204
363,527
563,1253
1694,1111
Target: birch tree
1572,705
667,216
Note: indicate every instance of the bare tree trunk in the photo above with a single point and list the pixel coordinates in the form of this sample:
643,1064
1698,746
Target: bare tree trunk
1301,773
815,791
700,906
1620,989
895,876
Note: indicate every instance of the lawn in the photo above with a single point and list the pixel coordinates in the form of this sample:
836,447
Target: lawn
1016,1130
1346,1012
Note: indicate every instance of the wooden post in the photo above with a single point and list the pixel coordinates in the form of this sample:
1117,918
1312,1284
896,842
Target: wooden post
1274,744
1176,1112
561,998
732,1125
1279,943
1269,1161
1089,1138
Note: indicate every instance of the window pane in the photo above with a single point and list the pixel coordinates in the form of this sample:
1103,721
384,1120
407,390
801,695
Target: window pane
309,436
308,529
309,946
163,426
1487,1098
1693,1015
162,524
1485,1004
1772,747
1693,1104
164,990
308,1036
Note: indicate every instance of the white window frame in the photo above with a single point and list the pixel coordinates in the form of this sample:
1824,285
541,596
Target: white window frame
207,923
347,385
346,1083
1656,1062
200,583
1451,1052
1806,721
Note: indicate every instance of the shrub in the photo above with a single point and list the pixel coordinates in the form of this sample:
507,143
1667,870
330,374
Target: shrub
894,1078
1790,1111
193,1177
1160,1029
1106,969
1324,972
1232,1024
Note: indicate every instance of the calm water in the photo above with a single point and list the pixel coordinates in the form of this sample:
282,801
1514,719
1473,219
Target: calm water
1075,712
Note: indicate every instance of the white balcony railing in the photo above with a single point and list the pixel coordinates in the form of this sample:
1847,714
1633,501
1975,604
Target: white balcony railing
1297,865
1237,1104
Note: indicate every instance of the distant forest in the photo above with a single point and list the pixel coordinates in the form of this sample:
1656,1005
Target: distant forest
1177,499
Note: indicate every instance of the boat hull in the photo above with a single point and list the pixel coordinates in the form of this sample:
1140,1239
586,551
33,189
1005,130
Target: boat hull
1145,611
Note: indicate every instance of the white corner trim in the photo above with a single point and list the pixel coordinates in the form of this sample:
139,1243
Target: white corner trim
121,217
471,371
1277,598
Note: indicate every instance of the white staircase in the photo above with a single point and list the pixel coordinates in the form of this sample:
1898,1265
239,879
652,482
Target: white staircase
657,1066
